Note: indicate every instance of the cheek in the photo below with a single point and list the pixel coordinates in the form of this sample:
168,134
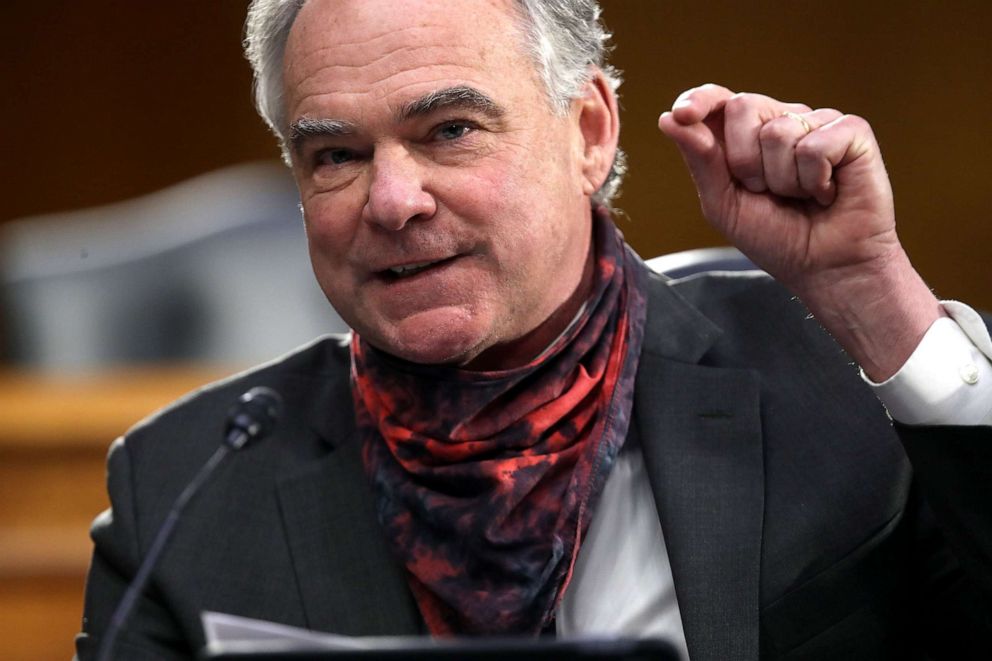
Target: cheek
330,232
473,193
330,225
499,199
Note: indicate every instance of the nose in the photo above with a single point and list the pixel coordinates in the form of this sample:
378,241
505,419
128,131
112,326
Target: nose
397,194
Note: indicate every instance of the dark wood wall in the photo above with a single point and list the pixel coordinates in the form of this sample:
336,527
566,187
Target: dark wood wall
115,98
107,99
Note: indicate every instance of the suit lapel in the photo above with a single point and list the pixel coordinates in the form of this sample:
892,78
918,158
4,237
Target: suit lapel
700,429
329,519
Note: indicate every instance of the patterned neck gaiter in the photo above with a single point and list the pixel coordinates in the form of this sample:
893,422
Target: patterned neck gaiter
486,481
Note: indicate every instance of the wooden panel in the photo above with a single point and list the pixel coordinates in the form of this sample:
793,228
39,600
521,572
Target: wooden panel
74,412
40,616
54,434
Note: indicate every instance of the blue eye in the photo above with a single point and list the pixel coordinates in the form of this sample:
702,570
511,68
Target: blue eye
334,157
453,131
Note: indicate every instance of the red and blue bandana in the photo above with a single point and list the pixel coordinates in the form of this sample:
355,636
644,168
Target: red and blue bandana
486,481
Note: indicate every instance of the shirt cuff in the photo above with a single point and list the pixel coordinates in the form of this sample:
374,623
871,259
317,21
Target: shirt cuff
948,378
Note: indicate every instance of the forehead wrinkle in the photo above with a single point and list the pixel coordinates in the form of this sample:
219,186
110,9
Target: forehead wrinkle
371,63
319,78
316,84
369,41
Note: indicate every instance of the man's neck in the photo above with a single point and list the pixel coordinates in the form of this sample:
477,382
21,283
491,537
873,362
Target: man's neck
531,345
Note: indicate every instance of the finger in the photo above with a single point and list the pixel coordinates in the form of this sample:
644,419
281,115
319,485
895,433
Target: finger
834,145
703,154
696,104
779,138
745,116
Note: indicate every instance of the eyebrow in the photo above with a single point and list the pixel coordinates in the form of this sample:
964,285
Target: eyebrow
309,127
461,97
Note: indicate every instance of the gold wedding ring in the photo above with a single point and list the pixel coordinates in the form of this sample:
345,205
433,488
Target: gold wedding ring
800,119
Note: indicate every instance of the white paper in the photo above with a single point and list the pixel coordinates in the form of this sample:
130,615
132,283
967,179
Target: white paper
227,633
232,633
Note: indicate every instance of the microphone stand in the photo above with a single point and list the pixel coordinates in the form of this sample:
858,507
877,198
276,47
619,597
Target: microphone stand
251,418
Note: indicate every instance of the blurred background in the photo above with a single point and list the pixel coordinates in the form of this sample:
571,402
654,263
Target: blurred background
150,241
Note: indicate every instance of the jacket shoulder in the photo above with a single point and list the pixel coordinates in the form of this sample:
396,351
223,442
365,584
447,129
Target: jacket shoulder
325,358
165,450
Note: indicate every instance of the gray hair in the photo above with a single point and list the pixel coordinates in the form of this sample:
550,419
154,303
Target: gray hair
565,38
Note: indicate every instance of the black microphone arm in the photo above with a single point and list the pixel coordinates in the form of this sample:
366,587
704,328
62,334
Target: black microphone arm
251,418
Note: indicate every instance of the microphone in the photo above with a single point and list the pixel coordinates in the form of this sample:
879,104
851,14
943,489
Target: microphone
250,419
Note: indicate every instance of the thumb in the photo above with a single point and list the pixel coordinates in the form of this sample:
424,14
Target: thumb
702,152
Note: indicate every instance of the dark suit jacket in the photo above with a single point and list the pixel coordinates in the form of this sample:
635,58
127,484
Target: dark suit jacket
795,524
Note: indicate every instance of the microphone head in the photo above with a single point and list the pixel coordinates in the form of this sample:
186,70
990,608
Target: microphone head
252,417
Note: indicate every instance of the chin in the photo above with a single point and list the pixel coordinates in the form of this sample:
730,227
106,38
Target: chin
435,350
434,339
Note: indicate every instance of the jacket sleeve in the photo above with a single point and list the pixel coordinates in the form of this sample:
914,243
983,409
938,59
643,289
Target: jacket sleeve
150,632
953,466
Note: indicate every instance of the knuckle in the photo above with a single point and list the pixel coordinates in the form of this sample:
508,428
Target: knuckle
808,150
856,122
776,130
739,100
827,116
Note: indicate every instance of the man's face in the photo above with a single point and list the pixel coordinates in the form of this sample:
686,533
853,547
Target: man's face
424,141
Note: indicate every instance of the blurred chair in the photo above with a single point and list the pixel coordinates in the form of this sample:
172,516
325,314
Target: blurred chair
700,260
214,269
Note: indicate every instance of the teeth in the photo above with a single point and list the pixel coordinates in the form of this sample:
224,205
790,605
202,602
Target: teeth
409,269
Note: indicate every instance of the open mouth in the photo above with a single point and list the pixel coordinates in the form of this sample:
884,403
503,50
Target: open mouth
409,270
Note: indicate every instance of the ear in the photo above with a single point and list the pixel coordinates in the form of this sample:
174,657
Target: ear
599,127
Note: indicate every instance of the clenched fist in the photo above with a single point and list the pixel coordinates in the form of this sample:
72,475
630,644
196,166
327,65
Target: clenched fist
804,194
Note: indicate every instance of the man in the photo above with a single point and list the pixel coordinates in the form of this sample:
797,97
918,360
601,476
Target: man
530,432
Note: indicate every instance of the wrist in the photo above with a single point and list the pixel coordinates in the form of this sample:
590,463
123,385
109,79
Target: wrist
878,313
